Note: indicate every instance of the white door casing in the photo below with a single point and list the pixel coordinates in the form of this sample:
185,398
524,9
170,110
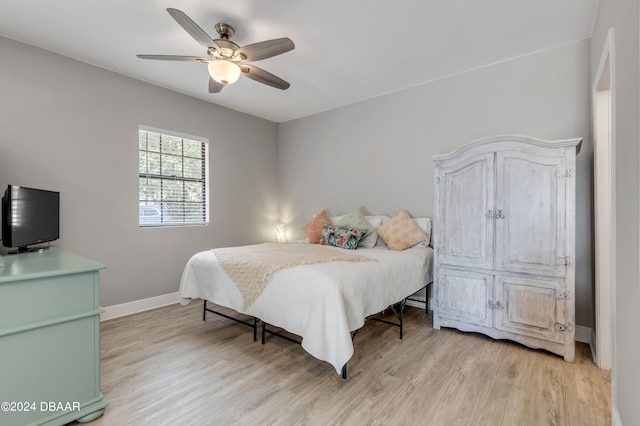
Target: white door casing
603,93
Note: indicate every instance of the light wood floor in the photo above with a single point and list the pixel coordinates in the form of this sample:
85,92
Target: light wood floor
168,367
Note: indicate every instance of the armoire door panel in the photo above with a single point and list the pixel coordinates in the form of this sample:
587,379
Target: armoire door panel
465,296
531,307
530,214
466,192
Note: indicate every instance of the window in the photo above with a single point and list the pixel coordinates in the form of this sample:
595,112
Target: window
174,172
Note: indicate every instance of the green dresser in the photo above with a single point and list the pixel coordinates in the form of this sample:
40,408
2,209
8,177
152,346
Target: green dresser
49,339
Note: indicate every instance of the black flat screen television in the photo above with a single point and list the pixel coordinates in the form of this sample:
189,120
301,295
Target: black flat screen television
29,216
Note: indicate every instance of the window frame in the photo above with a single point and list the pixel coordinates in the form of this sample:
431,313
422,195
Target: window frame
167,177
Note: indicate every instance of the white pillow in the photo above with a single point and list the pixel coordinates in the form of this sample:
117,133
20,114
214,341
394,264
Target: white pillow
383,218
371,238
425,224
335,219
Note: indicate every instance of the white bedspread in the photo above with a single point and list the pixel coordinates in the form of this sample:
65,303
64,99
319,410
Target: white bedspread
321,303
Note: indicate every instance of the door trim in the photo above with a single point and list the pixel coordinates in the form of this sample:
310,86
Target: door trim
603,101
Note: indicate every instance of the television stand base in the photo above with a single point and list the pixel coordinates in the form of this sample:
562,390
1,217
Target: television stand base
29,250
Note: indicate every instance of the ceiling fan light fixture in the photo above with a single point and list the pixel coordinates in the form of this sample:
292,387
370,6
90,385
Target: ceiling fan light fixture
225,58
224,71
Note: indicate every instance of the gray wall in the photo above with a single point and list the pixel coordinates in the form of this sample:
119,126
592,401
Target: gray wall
624,17
72,127
376,154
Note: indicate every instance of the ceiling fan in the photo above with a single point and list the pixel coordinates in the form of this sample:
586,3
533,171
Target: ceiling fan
225,58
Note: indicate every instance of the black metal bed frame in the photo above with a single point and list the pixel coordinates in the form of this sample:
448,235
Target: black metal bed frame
397,308
239,321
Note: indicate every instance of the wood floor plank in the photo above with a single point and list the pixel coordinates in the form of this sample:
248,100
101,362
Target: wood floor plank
168,367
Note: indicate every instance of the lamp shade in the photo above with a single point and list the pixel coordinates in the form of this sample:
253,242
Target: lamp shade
223,71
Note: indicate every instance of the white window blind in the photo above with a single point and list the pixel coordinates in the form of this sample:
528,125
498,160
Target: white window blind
173,179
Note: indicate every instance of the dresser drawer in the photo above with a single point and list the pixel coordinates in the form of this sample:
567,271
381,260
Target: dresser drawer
29,302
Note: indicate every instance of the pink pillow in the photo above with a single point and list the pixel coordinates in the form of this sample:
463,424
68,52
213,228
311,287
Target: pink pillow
313,228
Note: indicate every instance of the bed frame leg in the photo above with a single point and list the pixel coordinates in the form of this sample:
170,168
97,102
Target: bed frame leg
255,329
264,332
402,317
344,371
400,313
204,311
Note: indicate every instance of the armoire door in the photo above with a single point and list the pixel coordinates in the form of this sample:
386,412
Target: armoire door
530,213
465,296
532,307
465,202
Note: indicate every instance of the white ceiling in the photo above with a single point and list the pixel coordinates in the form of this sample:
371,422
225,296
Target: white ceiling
346,50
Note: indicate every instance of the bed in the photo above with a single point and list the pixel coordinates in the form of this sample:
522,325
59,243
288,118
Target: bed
322,303
349,268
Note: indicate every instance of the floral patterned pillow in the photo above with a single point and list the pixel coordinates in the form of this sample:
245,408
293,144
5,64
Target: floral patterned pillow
338,236
356,220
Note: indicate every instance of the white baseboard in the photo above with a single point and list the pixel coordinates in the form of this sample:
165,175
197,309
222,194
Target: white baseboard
415,303
115,311
583,334
592,347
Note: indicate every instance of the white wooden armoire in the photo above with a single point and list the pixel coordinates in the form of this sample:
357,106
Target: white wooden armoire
504,238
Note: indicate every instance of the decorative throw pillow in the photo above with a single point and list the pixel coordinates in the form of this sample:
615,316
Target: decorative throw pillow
338,236
401,232
356,220
313,228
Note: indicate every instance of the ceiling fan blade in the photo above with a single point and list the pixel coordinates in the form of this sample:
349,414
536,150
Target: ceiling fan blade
264,49
214,86
264,77
192,28
174,58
